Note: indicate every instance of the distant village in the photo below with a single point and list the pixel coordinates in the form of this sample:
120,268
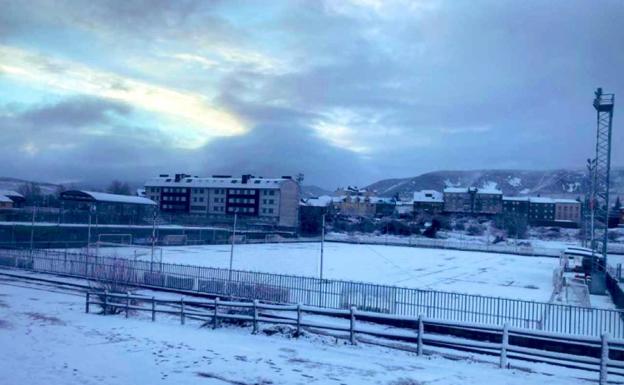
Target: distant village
539,211
276,203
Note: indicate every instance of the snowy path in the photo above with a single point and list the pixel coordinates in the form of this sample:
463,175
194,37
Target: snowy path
47,338
501,275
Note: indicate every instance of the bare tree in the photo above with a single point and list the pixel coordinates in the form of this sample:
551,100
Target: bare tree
119,187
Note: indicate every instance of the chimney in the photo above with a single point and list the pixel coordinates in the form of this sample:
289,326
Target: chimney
245,178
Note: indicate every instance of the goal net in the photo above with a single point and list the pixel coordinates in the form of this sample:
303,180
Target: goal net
175,240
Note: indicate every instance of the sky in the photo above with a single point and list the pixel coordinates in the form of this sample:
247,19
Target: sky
345,91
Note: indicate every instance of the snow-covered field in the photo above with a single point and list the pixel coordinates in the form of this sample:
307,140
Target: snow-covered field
491,274
46,338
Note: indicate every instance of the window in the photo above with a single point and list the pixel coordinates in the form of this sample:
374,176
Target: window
270,211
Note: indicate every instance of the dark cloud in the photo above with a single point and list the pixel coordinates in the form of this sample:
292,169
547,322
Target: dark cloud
73,112
454,85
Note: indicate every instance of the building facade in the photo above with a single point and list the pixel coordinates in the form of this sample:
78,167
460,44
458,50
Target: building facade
516,206
541,211
428,201
273,200
568,210
472,200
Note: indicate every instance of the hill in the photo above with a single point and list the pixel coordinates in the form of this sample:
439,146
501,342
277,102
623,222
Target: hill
563,183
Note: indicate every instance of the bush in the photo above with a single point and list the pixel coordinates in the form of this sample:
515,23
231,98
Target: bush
475,229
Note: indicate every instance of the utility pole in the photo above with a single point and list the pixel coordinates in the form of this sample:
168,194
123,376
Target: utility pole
322,243
89,231
32,231
154,214
232,252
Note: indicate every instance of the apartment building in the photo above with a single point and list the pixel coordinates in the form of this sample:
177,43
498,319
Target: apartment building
568,210
274,200
472,200
541,210
516,206
428,201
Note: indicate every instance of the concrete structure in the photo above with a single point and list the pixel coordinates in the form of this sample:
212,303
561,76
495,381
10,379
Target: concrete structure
428,201
472,200
274,200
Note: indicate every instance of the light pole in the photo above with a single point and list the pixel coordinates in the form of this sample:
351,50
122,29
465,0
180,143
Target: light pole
232,252
89,230
322,243
153,238
32,232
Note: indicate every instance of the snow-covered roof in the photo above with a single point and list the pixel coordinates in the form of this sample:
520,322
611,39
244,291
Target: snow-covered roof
428,196
94,196
378,200
521,199
562,200
455,190
490,190
541,200
11,193
322,201
217,182
5,199
484,190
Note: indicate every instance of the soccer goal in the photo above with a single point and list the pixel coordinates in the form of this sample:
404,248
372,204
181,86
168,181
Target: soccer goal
175,240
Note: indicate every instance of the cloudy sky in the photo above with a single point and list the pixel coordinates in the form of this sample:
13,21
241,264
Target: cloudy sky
346,92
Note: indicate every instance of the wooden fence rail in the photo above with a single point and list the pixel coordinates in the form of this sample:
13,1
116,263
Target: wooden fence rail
602,355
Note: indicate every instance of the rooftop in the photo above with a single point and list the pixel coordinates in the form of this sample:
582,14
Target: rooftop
94,196
428,196
217,182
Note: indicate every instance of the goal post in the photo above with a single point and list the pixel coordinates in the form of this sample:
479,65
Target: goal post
175,240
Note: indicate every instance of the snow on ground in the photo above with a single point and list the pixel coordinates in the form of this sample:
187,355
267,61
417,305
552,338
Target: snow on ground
491,274
47,338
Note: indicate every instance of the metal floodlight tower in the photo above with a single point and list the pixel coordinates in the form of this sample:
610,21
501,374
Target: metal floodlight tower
603,103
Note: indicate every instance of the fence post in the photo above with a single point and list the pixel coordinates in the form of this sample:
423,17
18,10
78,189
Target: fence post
504,344
421,330
127,303
255,316
105,301
87,304
182,311
298,320
153,309
214,318
352,326
604,358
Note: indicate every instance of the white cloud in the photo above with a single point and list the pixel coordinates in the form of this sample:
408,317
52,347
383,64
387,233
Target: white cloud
192,120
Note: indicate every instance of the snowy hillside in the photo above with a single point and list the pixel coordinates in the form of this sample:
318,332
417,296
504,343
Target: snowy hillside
512,182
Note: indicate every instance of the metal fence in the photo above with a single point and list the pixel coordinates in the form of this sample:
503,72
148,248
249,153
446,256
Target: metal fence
326,293
604,354
519,249
522,248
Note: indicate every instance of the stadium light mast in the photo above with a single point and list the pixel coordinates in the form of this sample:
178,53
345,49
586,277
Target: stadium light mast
603,103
